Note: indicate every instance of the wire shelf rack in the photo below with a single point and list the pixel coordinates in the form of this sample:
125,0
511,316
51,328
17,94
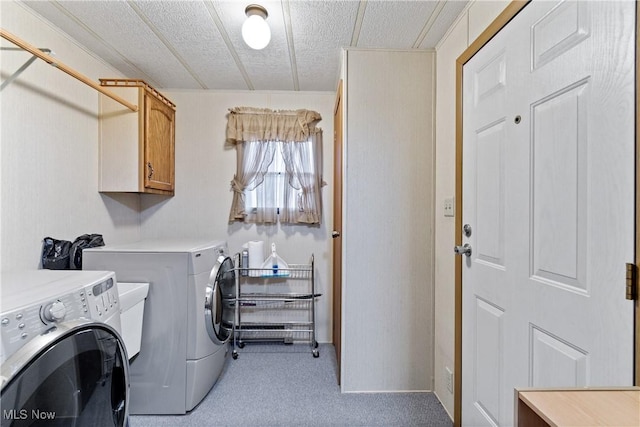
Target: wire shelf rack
275,305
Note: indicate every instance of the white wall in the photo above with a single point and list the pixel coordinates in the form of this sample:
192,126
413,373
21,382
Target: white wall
469,25
49,156
205,167
49,149
387,233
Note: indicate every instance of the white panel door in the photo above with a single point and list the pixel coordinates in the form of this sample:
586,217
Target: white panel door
548,187
486,273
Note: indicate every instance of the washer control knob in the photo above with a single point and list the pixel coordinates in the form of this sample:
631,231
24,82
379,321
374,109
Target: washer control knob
54,311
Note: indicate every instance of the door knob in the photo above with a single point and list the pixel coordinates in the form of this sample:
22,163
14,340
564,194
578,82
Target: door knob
335,234
463,250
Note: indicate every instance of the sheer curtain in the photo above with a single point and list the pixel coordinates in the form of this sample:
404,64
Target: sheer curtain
254,158
302,160
257,133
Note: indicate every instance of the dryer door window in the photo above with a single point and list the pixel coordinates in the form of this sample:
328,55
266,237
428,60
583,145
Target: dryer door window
79,378
220,300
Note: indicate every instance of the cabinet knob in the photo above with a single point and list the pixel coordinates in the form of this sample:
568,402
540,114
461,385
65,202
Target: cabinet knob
150,167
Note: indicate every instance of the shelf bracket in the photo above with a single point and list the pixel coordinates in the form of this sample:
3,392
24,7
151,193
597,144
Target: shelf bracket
24,66
62,67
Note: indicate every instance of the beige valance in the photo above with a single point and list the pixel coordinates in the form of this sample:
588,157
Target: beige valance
263,124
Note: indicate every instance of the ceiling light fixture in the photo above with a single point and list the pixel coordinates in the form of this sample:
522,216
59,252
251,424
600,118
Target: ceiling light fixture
255,30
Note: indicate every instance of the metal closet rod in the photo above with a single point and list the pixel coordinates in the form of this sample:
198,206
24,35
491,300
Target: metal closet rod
59,65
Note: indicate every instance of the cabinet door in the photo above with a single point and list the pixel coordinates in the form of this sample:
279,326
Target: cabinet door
159,139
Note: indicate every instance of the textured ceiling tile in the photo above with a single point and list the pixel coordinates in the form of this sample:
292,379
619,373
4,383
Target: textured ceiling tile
320,29
189,28
128,34
82,36
189,51
269,68
181,21
446,17
394,24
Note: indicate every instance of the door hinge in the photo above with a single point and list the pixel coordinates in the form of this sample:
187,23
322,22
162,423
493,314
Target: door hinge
631,282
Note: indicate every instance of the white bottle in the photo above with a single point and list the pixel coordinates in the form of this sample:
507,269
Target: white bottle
274,259
244,262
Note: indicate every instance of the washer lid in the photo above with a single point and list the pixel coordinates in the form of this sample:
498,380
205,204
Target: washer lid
161,245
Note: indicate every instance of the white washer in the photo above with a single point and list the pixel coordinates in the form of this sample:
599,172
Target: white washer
62,353
179,360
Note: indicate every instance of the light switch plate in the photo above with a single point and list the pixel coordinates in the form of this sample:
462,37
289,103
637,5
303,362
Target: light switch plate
449,207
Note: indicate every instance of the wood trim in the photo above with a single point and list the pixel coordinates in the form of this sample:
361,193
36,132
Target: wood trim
636,327
510,11
137,83
501,20
62,67
338,97
507,14
338,148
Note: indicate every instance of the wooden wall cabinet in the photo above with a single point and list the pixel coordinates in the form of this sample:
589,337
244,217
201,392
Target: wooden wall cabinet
137,153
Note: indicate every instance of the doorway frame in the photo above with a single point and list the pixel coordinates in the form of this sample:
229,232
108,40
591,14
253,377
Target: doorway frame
501,21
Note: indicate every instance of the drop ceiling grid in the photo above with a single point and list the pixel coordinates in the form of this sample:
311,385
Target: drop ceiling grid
319,30
189,28
439,28
388,25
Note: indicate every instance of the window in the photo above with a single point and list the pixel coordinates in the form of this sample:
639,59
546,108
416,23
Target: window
270,193
279,177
